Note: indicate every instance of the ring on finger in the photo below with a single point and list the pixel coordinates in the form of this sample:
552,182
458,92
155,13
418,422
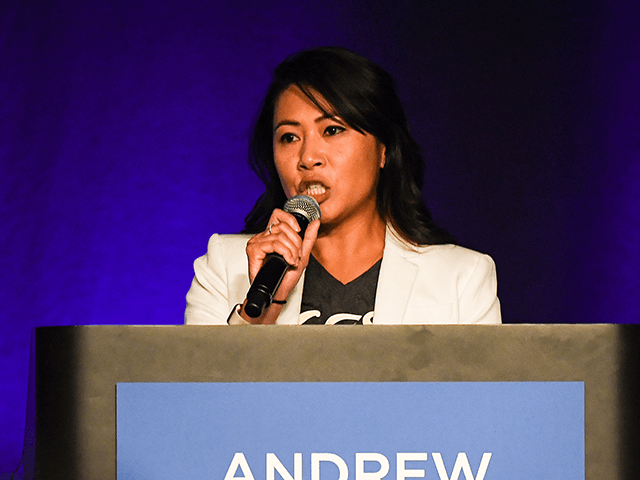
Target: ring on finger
270,225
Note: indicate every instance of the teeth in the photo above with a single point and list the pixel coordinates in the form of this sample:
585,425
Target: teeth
315,190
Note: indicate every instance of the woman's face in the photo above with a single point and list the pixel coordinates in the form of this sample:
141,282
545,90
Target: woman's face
321,156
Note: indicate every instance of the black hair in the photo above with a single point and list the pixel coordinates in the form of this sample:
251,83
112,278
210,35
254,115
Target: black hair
363,94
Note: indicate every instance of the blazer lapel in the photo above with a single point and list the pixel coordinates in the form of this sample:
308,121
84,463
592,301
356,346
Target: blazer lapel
397,276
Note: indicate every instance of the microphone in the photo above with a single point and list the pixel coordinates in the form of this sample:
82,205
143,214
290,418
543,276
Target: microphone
305,209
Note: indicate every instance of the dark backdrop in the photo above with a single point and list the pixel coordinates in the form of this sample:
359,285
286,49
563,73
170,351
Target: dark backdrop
123,131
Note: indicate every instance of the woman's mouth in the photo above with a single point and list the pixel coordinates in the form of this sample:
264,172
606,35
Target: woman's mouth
317,191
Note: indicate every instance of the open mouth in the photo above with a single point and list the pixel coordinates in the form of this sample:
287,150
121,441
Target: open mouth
316,190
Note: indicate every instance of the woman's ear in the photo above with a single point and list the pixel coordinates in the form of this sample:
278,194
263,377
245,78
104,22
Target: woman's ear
382,152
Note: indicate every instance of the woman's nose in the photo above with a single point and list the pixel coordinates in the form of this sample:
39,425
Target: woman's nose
311,153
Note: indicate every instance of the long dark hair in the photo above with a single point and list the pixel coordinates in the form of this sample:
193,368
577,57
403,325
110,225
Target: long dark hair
364,96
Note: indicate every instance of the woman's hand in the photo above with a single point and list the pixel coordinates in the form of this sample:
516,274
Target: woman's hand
280,237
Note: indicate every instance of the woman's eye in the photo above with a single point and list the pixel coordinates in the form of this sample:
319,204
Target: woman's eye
287,138
333,130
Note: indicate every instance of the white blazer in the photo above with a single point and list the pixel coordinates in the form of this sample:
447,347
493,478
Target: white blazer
438,284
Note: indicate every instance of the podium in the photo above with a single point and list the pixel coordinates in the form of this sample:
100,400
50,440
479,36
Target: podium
71,417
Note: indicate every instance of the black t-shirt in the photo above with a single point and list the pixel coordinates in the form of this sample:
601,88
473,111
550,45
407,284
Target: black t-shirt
325,300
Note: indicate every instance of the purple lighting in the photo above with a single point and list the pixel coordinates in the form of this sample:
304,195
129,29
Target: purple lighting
123,141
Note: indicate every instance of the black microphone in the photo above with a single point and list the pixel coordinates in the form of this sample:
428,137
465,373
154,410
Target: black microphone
305,209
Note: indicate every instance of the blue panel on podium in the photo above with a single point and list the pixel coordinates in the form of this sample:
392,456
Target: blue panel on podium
322,430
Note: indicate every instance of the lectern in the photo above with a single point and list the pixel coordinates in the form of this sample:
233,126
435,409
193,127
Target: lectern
360,402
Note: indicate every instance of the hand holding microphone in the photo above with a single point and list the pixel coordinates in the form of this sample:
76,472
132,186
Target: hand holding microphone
281,253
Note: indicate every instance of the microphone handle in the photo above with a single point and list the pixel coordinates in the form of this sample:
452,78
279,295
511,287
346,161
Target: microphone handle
270,276
265,284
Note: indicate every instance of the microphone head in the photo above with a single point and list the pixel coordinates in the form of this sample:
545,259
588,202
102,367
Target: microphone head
303,205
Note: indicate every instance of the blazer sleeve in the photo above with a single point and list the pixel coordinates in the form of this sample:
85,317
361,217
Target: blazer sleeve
219,280
479,302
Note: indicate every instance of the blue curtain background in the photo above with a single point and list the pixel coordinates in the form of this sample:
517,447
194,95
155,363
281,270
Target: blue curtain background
124,125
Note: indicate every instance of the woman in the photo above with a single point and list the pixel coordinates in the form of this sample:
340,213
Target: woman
332,127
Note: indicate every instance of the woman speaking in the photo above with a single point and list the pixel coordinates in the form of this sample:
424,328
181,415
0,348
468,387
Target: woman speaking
332,128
